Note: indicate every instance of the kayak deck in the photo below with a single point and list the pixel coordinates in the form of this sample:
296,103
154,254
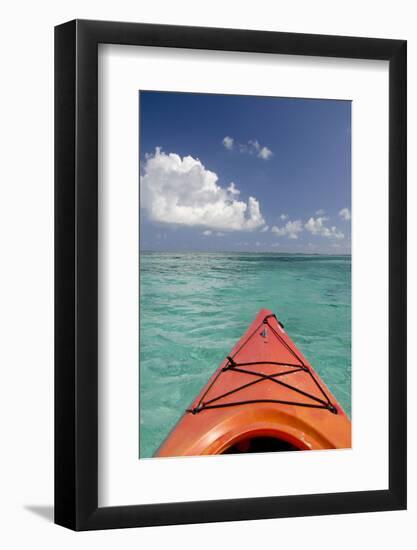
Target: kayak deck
264,396
264,369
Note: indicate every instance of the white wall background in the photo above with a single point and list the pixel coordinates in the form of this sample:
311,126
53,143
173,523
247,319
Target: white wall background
26,272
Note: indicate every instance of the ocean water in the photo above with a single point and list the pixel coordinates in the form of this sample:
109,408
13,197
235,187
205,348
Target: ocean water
194,307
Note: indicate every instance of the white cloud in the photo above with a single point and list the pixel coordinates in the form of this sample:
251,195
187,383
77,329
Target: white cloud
182,191
228,142
207,232
316,226
283,217
291,229
254,147
251,147
320,212
233,190
265,229
345,214
265,153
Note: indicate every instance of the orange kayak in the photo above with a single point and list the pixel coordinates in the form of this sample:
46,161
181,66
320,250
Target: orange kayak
265,396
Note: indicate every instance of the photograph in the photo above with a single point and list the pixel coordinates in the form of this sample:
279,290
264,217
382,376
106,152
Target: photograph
206,251
245,274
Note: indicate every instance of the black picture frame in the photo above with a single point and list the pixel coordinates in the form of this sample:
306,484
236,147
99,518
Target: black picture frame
76,272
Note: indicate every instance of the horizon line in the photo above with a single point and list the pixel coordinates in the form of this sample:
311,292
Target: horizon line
248,252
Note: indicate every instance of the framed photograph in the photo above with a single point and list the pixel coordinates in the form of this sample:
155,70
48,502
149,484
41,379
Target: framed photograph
230,244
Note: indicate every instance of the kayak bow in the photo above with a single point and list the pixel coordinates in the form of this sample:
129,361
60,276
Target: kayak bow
265,396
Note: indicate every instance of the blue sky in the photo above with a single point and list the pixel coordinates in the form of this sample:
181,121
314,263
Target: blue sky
244,173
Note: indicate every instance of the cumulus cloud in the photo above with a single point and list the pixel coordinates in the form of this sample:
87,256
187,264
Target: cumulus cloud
233,190
320,212
251,147
265,153
291,229
228,142
265,229
317,226
283,217
261,151
182,191
345,214
208,232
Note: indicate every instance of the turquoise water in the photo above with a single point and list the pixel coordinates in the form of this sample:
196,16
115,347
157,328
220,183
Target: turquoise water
194,306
